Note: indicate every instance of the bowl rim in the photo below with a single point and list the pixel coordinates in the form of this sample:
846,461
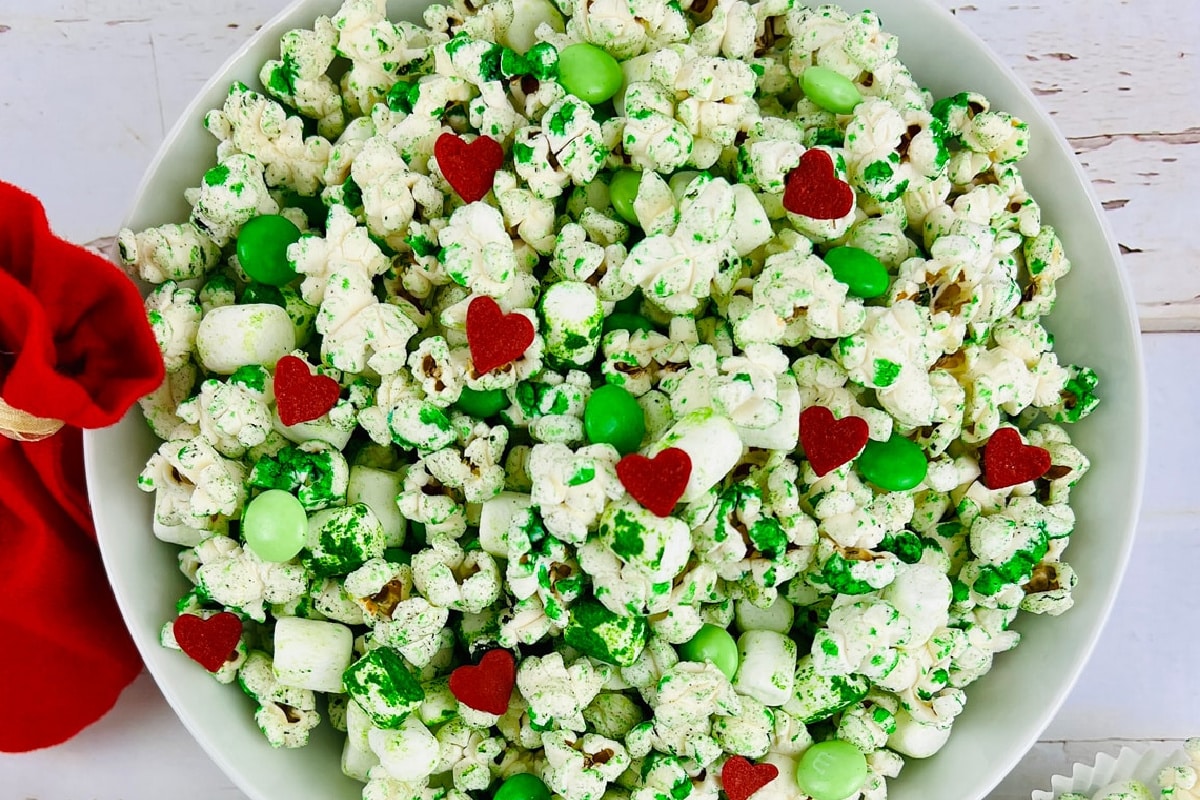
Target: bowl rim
300,13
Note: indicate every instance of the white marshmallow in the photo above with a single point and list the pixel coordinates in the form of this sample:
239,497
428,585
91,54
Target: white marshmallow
711,442
238,336
378,490
767,667
494,518
311,654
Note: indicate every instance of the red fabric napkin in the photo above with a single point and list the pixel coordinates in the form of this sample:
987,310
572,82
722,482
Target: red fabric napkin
74,346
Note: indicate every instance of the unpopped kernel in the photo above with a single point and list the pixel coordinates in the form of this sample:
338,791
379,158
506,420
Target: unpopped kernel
770,588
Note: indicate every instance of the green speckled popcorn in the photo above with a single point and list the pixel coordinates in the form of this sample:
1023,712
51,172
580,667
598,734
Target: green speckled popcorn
383,687
605,636
637,216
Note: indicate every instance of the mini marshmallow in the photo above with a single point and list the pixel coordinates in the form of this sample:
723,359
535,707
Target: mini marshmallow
767,667
237,336
711,442
312,655
409,753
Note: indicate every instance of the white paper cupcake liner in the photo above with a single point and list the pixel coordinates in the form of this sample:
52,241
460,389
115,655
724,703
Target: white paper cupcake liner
1127,765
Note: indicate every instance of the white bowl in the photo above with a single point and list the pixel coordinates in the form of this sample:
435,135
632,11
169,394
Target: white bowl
1094,324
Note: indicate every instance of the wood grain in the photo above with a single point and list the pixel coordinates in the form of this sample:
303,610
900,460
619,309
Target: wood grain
1117,75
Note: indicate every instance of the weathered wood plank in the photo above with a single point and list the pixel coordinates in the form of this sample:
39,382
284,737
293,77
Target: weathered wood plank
1114,75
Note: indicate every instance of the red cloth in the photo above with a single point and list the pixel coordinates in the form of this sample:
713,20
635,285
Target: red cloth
74,346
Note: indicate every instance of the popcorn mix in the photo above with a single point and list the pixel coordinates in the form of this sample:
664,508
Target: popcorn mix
610,400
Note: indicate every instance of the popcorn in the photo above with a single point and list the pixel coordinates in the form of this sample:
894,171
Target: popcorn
168,252
474,511
175,318
314,471
194,485
382,686
571,488
341,539
237,578
557,694
580,768
476,250
285,714
230,195
255,126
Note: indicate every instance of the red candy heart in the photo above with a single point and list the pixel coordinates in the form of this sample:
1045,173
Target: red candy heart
301,396
1008,461
828,442
814,190
488,685
495,338
209,642
468,168
659,483
742,779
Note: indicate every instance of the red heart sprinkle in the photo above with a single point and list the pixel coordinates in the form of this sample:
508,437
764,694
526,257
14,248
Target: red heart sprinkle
742,779
656,483
828,442
1008,461
301,396
495,338
468,168
209,642
814,190
488,685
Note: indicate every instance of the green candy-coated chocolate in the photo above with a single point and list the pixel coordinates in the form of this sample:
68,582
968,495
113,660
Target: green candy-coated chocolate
864,275
262,249
622,191
256,292
830,90
627,322
274,525
522,786
612,416
714,644
895,465
630,305
589,73
831,770
481,404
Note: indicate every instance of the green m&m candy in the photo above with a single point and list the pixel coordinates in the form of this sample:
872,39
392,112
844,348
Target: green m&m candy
481,404
831,770
830,90
522,786
262,249
627,322
714,644
864,275
612,416
589,73
274,525
895,465
622,191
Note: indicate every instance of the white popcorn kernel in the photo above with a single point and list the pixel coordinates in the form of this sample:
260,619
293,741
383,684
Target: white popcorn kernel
312,655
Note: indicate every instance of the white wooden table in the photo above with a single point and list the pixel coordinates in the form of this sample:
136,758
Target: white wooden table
1118,75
